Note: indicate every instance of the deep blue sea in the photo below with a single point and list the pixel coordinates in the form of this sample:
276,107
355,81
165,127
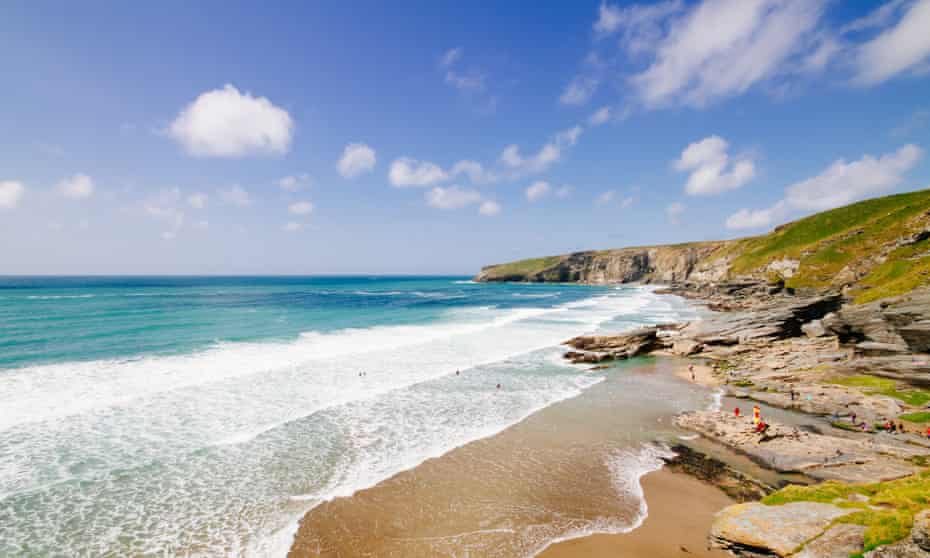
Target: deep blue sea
205,415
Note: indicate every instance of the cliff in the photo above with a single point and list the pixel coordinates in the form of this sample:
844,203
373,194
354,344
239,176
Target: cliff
872,249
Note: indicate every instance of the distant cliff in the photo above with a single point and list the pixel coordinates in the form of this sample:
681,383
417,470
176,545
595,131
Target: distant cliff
871,249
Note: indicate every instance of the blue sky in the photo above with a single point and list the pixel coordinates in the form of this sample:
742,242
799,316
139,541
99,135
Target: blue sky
436,137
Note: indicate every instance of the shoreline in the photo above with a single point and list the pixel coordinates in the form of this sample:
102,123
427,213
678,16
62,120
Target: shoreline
678,503
532,488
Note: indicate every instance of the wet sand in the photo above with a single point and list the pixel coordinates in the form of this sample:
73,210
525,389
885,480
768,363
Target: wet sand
681,511
569,471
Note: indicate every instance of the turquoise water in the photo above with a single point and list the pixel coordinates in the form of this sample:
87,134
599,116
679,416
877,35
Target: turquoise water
204,416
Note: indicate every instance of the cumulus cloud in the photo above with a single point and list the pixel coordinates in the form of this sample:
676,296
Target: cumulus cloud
410,172
711,170
579,90
197,200
512,158
600,116
674,211
453,197
842,182
77,187
11,191
537,190
839,184
641,25
900,48
489,208
294,183
300,208
357,159
227,123
235,195
473,170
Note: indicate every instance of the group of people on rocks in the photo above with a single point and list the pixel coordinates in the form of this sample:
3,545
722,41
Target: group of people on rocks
759,425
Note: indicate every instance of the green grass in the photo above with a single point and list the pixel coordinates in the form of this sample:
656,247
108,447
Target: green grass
916,417
883,386
907,268
887,516
827,242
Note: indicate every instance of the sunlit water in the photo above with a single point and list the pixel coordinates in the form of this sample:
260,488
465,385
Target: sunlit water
204,416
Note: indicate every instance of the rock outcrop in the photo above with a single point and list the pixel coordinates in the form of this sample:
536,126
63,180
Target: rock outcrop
755,529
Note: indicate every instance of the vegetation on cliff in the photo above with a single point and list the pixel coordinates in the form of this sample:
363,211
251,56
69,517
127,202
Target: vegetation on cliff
875,248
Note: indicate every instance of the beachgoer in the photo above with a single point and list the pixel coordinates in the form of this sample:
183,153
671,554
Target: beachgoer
498,386
901,427
756,415
928,432
736,412
852,419
691,369
456,372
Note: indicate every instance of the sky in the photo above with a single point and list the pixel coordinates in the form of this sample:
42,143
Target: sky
428,137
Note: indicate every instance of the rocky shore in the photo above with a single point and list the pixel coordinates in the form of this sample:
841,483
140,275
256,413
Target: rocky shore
862,367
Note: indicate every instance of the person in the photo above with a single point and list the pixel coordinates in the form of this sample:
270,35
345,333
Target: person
456,372
928,432
498,386
756,415
853,418
691,369
901,427
791,391
736,412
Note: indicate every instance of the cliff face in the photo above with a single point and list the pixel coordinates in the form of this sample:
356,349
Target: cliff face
663,264
872,250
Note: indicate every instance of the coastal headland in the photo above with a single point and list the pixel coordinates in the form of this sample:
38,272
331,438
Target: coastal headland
827,317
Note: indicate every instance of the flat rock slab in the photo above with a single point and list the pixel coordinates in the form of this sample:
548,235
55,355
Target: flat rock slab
900,550
755,527
788,449
840,541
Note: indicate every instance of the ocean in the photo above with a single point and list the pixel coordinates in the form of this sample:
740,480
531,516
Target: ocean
204,416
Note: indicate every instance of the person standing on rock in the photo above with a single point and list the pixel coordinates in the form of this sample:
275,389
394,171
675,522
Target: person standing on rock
691,369
756,415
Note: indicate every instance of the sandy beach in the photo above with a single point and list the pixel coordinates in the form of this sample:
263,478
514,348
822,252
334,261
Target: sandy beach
570,472
681,511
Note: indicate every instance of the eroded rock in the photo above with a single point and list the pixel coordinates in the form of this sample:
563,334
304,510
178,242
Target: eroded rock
778,530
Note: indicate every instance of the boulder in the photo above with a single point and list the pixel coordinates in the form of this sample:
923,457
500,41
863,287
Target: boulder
778,530
920,534
687,347
839,541
814,328
899,550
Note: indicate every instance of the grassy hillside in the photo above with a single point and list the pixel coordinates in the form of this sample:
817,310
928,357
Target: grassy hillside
875,248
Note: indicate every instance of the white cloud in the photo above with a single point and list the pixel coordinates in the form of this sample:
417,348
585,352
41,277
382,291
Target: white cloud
605,197
608,18
77,187
897,49
711,170
551,152
410,172
357,159
756,218
627,202
197,200
751,41
452,197
292,226
579,90
537,191
235,195
489,208
600,116
11,191
300,208
674,212
293,183
842,182
642,25
451,56
564,192
227,123
839,184
473,170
